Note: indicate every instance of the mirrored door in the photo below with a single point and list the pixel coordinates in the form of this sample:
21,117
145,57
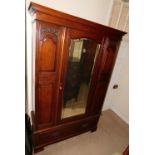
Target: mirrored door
81,59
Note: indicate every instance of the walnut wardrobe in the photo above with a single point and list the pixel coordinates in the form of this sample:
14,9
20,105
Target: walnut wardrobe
72,64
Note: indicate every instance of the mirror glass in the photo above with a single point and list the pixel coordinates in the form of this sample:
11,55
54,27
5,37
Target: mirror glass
82,55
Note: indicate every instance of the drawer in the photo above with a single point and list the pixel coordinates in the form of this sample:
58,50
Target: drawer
49,136
52,136
65,131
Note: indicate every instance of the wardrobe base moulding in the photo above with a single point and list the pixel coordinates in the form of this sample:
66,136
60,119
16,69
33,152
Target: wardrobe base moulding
61,132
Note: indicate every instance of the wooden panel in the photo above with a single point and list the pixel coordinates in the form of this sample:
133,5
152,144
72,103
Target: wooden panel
48,42
67,130
47,77
109,60
98,97
95,77
47,54
76,34
109,55
45,104
106,62
48,57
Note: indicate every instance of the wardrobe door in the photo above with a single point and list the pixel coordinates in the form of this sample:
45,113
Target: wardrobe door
106,60
48,55
78,66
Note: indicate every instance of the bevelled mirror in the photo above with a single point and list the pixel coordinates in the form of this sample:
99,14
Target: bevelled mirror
82,55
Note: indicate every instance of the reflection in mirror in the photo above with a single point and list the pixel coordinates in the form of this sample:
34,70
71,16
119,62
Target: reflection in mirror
82,55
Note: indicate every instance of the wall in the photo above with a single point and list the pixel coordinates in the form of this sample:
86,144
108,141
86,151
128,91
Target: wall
93,10
118,99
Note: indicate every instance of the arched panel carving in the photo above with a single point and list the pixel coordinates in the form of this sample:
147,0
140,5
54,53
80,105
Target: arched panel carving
48,54
48,32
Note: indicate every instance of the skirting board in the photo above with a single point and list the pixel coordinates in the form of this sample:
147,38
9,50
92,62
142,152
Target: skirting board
106,107
124,118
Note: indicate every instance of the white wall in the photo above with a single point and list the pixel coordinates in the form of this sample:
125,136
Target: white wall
29,63
93,10
118,99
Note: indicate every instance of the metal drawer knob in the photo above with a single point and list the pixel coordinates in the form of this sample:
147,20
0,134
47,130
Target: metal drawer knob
60,88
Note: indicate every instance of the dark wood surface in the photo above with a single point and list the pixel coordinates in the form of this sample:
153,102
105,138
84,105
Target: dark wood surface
63,131
48,56
50,15
126,152
52,33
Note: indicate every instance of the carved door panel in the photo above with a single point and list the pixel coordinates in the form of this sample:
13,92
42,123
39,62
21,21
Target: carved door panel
48,56
105,64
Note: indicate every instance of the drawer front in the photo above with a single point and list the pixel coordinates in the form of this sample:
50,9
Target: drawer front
66,131
47,137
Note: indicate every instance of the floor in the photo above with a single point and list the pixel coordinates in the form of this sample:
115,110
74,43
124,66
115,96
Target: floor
111,138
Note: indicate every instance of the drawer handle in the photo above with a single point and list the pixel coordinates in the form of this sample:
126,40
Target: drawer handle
84,125
55,134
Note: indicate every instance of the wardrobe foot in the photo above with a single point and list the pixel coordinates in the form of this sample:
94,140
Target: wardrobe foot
38,149
94,129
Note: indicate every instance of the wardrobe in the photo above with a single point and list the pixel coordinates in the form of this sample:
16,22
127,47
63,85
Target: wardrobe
73,59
